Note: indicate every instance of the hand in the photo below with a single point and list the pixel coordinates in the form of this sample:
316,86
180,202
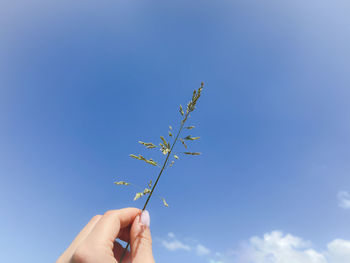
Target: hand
96,243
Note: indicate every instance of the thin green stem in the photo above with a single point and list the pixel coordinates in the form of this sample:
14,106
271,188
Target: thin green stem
159,175
164,165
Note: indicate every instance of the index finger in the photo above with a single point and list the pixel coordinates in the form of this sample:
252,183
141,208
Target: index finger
108,227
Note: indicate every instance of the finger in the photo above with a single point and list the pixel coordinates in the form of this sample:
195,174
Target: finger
107,228
141,240
85,231
79,238
118,250
124,234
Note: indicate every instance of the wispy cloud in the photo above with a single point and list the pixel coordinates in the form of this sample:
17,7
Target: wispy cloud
175,245
172,243
202,250
344,199
171,235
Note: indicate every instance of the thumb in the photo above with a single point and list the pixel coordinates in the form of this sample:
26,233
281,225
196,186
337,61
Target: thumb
141,240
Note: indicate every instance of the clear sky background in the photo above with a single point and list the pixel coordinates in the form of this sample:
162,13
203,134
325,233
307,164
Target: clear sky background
82,81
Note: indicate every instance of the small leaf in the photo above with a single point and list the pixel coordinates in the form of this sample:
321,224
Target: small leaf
165,203
194,95
166,144
192,104
181,111
192,153
137,196
121,183
150,184
151,161
146,191
170,127
176,157
149,145
190,127
191,138
140,157
171,164
189,107
164,149
184,144
134,156
170,134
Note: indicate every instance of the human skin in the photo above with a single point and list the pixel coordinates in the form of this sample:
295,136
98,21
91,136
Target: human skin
96,242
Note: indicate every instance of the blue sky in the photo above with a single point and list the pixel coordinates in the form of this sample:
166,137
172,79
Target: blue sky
83,81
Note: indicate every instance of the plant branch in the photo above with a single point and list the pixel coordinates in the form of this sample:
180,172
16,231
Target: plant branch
159,175
190,107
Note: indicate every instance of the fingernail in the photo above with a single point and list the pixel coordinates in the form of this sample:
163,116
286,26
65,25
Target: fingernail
145,218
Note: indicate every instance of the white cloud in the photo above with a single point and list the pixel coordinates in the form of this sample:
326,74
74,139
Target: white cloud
175,245
202,250
275,247
344,199
339,251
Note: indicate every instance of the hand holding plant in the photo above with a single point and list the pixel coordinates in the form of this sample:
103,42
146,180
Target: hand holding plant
166,147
